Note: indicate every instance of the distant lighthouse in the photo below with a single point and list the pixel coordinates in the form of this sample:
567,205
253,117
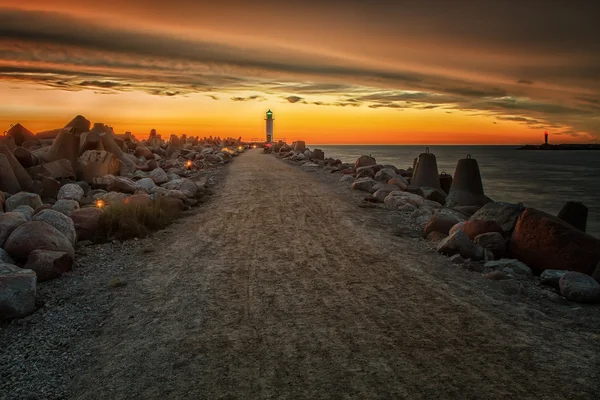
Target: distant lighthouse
269,120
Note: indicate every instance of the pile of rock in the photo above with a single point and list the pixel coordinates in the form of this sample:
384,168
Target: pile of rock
509,241
55,185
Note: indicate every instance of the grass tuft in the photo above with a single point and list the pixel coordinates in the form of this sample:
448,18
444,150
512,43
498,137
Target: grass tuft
127,221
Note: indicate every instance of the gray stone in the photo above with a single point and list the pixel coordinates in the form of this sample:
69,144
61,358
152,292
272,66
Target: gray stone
185,185
347,179
384,186
23,199
578,287
5,258
511,267
17,297
492,241
385,174
459,243
60,221
8,223
70,191
364,184
551,277
65,206
146,184
25,211
504,214
159,176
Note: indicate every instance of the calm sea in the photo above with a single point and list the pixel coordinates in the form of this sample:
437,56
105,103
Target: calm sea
541,179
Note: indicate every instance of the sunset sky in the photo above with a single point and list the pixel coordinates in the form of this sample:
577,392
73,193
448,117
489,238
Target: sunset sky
351,71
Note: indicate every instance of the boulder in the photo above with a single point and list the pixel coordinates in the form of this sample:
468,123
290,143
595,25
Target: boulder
381,194
59,221
25,211
146,184
430,193
8,223
159,176
596,273
475,227
310,166
347,179
65,207
36,235
383,186
440,222
459,243
49,265
122,185
364,184
385,174
504,214
95,164
512,268
399,181
55,169
8,181
184,184
70,191
111,198
143,151
17,291
5,258
551,277
23,198
86,221
364,161
492,241
578,287
544,241
400,199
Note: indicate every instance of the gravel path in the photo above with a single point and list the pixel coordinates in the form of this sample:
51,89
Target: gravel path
280,287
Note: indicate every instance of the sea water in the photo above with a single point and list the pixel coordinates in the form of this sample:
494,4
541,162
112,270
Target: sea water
545,180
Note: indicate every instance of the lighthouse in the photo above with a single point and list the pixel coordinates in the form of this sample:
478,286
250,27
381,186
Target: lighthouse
269,120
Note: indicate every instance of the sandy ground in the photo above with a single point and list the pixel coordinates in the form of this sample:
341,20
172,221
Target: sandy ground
281,287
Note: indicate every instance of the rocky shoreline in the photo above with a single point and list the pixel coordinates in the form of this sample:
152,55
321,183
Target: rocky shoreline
524,247
81,185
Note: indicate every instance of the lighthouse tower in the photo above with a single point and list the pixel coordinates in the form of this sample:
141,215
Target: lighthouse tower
269,120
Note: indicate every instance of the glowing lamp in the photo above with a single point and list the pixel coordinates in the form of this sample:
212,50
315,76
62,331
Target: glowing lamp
100,204
240,148
188,164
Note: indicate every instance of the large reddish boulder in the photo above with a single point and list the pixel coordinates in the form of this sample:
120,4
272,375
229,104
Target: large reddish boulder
544,241
36,235
86,222
476,227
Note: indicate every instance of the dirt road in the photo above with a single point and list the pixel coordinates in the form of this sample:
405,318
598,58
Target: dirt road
278,289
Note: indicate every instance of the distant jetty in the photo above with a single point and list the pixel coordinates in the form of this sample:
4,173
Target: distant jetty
592,146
